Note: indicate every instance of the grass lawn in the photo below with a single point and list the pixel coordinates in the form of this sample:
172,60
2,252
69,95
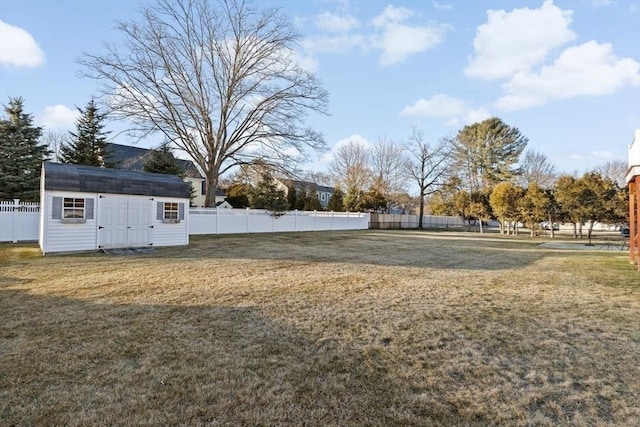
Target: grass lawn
341,328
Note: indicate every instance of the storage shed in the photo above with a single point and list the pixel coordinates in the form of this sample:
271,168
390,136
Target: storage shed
89,208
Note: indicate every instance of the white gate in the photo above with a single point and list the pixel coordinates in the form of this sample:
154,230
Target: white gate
124,222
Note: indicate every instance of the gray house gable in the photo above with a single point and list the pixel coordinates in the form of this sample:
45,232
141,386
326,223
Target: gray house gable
91,179
303,185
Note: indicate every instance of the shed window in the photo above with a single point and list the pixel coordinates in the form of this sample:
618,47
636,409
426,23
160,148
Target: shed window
171,211
73,208
323,196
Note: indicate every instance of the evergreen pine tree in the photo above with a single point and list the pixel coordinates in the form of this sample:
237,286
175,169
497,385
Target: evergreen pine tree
21,154
312,203
88,145
292,196
266,195
336,202
161,160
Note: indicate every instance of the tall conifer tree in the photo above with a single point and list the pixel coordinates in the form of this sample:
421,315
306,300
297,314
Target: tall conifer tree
161,160
21,154
88,145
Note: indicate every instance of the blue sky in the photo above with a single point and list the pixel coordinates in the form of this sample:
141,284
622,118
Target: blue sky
566,73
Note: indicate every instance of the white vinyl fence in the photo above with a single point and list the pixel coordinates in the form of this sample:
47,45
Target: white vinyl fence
19,221
230,221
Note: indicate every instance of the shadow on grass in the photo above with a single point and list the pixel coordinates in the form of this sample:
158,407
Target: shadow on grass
421,249
71,362
406,249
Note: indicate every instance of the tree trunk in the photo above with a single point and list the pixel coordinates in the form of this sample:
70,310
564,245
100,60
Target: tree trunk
575,233
421,212
580,229
481,229
212,185
551,226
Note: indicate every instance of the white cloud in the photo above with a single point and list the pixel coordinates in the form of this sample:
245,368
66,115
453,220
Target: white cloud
441,105
306,61
477,115
441,6
396,39
588,69
58,117
516,41
399,41
357,138
335,44
18,48
438,106
602,154
333,23
391,15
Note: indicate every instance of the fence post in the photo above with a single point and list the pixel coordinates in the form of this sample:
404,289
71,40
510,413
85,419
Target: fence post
217,220
315,218
16,204
247,223
331,220
295,220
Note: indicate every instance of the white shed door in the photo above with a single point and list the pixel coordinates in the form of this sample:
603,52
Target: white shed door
124,222
138,223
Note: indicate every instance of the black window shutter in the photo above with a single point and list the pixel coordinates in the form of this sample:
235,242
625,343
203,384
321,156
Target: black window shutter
160,215
88,205
56,208
203,187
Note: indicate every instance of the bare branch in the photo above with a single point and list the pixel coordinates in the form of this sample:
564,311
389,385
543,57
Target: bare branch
218,79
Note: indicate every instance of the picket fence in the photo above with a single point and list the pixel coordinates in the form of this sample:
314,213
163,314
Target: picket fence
19,221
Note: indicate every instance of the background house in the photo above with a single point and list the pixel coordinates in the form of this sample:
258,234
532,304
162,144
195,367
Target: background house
131,158
88,208
324,193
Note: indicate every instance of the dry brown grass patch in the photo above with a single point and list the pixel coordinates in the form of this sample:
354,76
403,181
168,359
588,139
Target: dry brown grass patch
355,328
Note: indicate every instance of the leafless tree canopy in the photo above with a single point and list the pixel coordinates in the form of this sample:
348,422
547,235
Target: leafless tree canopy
388,167
55,141
350,167
616,170
218,79
428,164
536,167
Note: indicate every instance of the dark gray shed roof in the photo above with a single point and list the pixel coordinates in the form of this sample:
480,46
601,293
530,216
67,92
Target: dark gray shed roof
91,179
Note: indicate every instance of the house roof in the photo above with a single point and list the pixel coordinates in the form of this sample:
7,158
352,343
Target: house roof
133,158
91,179
301,185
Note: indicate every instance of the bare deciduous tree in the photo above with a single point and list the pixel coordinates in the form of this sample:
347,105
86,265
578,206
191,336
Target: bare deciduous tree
218,79
350,166
615,170
536,168
317,177
55,141
428,165
388,167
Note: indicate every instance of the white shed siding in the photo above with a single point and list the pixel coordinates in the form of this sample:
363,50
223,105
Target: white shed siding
170,234
58,236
